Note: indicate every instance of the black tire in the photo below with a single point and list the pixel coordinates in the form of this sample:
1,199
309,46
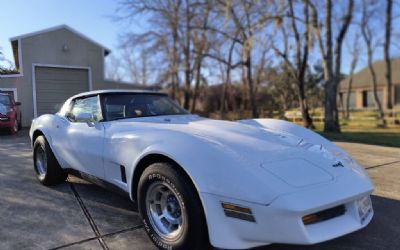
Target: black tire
53,174
193,234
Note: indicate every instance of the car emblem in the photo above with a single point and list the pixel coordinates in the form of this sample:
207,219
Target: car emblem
338,164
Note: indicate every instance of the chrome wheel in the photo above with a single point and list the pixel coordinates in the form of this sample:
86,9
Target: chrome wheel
164,210
40,162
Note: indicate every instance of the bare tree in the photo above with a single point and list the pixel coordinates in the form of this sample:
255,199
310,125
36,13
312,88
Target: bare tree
355,50
114,69
186,42
282,86
164,40
388,34
299,67
330,51
200,44
221,47
227,61
144,67
246,19
371,43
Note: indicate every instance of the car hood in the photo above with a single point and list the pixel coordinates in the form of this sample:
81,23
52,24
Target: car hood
280,153
283,155
220,154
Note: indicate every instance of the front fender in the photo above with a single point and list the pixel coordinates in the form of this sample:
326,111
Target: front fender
215,169
45,125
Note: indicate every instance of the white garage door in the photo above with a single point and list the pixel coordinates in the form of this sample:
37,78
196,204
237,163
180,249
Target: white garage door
55,85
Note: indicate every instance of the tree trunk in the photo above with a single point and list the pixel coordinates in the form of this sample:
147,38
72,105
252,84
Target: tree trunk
331,112
307,121
388,33
228,80
352,68
252,96
187,59
347,110
331,65
381,114
197,84
225,92
175,76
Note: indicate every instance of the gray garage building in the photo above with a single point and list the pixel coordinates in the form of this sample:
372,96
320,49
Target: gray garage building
52,65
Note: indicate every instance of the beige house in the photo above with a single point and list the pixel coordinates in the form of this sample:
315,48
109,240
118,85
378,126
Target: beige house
52,65
361,95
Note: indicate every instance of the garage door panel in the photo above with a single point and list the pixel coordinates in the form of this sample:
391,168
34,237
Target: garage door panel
55,85
47,73
52,91
59,85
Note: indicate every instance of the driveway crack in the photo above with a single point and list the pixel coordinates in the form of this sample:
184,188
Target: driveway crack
89,217
96,238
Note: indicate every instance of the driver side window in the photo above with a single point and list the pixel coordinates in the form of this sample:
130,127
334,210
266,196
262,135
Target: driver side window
86,105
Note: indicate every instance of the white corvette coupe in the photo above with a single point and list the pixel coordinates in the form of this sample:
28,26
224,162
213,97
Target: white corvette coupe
199,181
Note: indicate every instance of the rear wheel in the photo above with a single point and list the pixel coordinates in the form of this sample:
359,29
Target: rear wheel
171,209
47,169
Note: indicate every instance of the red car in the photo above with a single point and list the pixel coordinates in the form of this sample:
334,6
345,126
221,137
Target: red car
10,115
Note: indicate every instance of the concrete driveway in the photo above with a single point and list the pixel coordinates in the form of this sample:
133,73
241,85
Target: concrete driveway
79,215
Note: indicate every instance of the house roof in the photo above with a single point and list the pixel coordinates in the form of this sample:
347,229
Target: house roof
15,41
363,77
63,26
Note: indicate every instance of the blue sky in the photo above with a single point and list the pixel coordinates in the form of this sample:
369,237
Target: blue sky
94,19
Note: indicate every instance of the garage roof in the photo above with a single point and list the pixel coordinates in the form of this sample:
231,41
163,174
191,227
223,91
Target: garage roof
15,41
63,26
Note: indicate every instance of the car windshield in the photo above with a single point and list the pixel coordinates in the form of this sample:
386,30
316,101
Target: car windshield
126,105
5,100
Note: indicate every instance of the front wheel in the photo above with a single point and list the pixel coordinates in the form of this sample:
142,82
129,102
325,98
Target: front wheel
47,169
171,209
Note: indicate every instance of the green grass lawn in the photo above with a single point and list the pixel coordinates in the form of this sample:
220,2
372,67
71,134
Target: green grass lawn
362,128
384,138
364,132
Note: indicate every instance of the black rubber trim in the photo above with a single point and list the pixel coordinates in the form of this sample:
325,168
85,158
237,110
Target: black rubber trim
123,174
239,215
97,181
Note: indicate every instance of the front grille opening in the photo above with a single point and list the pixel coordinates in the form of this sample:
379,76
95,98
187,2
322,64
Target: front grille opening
324,215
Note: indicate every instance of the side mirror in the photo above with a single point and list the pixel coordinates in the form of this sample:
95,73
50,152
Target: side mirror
18,103
85,117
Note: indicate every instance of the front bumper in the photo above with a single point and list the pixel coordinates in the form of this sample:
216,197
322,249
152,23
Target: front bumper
6,122
281,221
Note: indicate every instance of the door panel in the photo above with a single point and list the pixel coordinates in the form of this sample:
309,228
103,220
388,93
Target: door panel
80,144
